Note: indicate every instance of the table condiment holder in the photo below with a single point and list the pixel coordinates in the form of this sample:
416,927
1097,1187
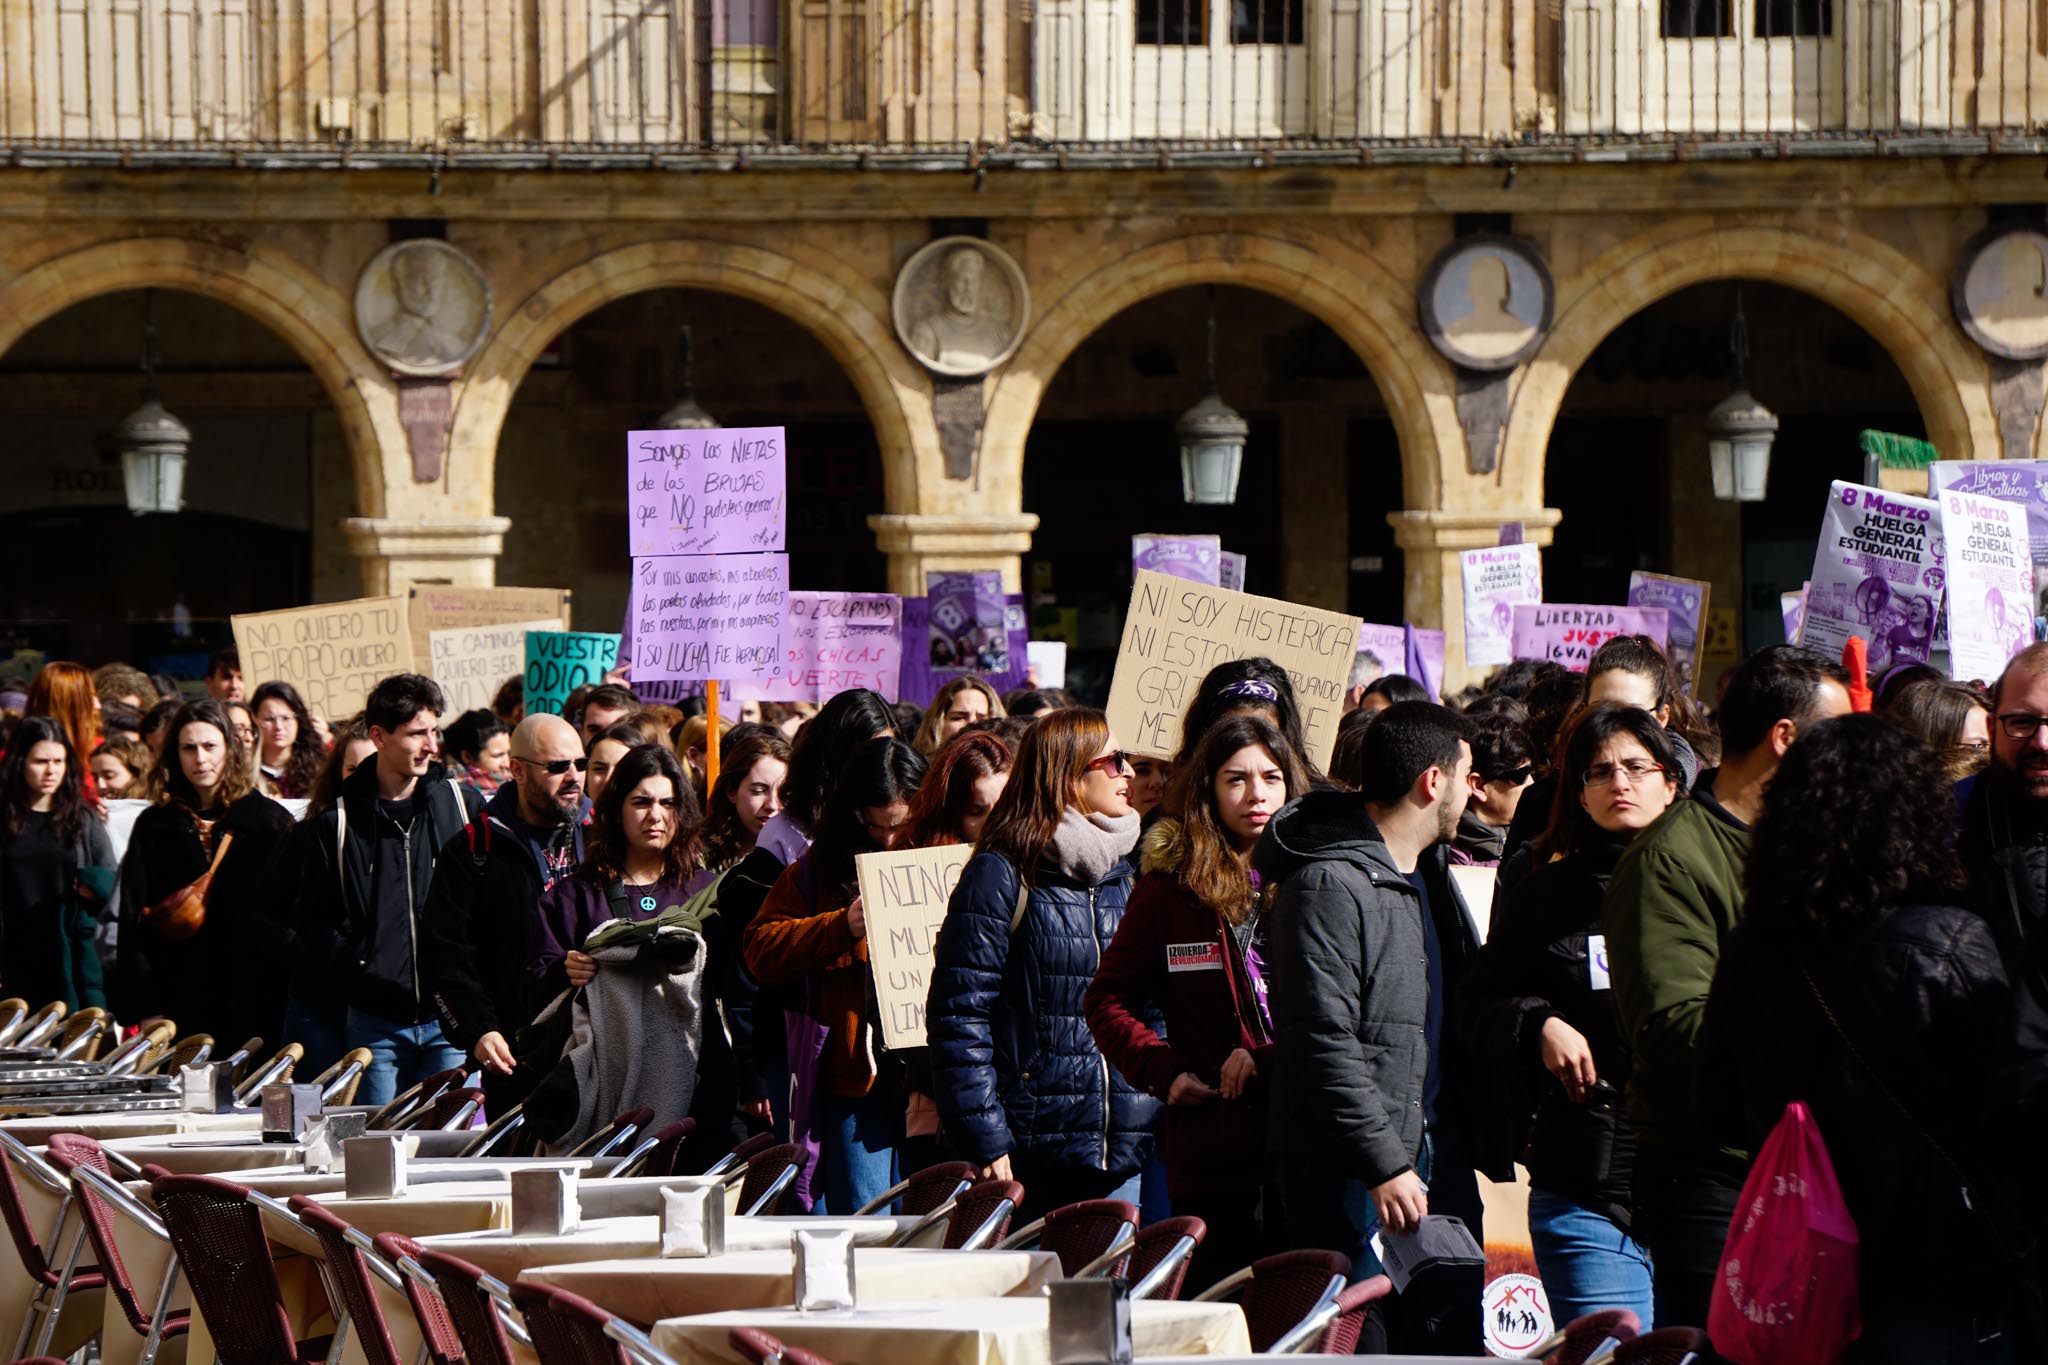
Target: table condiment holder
373,1167
208,1088
824,1271
544,1201
1090,1322
693,1220
287,1109
324,1137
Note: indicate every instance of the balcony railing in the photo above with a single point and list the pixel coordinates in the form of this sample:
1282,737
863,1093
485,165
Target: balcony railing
262,82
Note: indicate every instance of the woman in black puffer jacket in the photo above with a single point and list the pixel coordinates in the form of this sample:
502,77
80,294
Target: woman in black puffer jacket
1856,984
1022,1090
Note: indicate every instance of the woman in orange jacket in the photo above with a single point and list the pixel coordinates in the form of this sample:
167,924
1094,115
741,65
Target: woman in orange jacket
846,1094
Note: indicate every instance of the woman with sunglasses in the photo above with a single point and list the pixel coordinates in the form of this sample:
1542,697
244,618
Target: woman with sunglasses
1536,1009
1023,1091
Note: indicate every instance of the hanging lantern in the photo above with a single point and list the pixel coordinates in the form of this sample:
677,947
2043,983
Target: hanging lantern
152,443
1740,430
1212,438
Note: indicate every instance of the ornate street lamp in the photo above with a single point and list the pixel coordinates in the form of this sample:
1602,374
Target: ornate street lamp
1740,430
686,415
1212,438
152,443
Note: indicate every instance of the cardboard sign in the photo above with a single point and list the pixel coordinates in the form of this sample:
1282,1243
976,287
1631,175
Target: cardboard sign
1685,599
1990,583
708,618
442,606
707,492
1877,576
1199,559
559,662
1176,631
1568,632
333,654
1720,643
473,662
1496,582
903,894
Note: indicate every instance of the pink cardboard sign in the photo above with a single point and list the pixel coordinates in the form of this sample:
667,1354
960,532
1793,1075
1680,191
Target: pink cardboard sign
701,618
707,492
1568,633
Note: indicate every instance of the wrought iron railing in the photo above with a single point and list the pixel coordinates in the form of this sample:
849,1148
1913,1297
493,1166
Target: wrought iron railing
679,81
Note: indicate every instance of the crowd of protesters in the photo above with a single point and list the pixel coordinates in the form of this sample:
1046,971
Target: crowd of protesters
1229,984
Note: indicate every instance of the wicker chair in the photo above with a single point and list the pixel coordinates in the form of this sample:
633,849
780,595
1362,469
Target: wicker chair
924,1192
100,1197
569,1329
353,1268
438,1337
770,1173
1284,1297
981,1215
656,1153
479,1305
414,1097
338,1083
35,1259
1578,1339
614,1137
276,1071
218,1235
1079,1234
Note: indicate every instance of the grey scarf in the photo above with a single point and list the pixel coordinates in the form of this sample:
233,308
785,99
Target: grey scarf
1086,846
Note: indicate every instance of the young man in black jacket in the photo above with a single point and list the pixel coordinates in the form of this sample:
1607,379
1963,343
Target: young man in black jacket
478,932
369,863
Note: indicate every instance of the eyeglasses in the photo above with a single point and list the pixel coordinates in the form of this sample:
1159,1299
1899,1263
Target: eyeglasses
556,767
2020,725
1603,774
1111,764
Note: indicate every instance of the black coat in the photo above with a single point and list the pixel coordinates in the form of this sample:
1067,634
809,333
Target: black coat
1923,997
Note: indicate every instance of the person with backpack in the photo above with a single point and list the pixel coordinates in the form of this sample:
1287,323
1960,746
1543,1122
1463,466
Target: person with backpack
367,869
1857,984
482,922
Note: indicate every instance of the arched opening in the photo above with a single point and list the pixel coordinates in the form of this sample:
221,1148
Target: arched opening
1627,461
561,475
1322,467
268,482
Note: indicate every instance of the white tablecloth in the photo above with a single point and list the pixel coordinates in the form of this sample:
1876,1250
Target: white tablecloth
505,1253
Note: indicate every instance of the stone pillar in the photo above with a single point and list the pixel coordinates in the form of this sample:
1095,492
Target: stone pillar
396,551
1315,507
918,543
1430,544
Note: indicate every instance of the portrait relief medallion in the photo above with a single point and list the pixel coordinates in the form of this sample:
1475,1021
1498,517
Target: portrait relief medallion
422,307
960,306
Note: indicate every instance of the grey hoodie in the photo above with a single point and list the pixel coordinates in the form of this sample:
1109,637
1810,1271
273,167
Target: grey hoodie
1350,987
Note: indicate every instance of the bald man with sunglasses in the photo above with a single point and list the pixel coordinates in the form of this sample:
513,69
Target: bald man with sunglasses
482,912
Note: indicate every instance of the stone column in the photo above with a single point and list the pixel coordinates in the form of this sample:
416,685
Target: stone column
1430,544
918,543
396,551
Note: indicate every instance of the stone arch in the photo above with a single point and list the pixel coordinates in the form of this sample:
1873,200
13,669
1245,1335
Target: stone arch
847,313
267,284
1889,295
1357,297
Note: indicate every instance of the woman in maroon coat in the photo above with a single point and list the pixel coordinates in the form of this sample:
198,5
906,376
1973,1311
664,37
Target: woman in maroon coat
1189,948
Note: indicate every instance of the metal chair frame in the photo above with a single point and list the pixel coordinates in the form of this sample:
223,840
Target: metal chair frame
279,1209
500,1294
277,1070
1106,1264
13,1013
1304,1333
18,1154
674,1134
638,1346
500,1131
737,1158
882,1201
1033,1234
622,1129
38,1028
126,1204
414,1098
989,1228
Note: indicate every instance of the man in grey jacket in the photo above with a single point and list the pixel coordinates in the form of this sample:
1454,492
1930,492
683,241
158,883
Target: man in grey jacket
1367,933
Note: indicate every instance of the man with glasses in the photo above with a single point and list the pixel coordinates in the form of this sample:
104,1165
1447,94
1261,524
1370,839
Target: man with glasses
482,912
1674,895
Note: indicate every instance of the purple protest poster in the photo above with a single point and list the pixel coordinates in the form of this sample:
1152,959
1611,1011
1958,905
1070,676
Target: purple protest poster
708,618
1426,659
1792,606
1230,571
1382,649
920,683
1878,575
720,491
967,631
843,640
2024,482
1686,601
1199,559
1990,583
1568,632
1496,582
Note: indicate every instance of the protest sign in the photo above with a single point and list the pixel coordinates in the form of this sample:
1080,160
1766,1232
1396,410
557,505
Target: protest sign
967,630
1048,662
1230,571
903,896
1720,642
1792,606
921,682
472,662
443,606
1877,576
719,491
1176,631
709,618
1685,602
1199,559
560,661
834,641
1568,632
1426,659
1382,649
333,654
1990,583
2022,482
1496,582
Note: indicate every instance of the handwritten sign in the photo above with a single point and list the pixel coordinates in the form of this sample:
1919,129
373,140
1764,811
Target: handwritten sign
1496,582
1686,600
1230,571
1176,631
833,642
471,663
1877,575
1568,633
709,618
559,662
720,491
903,894
1990,583
443,606
333,654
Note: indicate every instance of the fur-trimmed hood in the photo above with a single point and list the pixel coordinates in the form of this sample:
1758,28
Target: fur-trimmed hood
1164,847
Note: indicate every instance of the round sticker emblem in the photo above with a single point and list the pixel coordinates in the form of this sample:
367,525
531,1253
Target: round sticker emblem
647,904
1517,1315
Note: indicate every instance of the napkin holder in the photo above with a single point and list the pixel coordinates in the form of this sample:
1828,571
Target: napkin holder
693,1221
287,1109
208,1088
324,1138
824,1271
373,1167
1090,1322
544,1202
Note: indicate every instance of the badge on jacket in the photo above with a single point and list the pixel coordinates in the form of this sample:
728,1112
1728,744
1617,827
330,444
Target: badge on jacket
1596,962
1194,957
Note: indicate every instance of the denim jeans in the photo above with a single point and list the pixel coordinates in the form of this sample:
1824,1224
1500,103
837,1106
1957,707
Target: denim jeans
857,1142
400,1054
1587,1263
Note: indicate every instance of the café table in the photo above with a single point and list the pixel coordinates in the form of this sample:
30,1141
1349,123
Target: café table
505,1253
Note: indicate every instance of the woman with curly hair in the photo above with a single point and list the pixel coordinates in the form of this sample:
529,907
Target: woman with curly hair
1857,984
1188,948
288,751
56,870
